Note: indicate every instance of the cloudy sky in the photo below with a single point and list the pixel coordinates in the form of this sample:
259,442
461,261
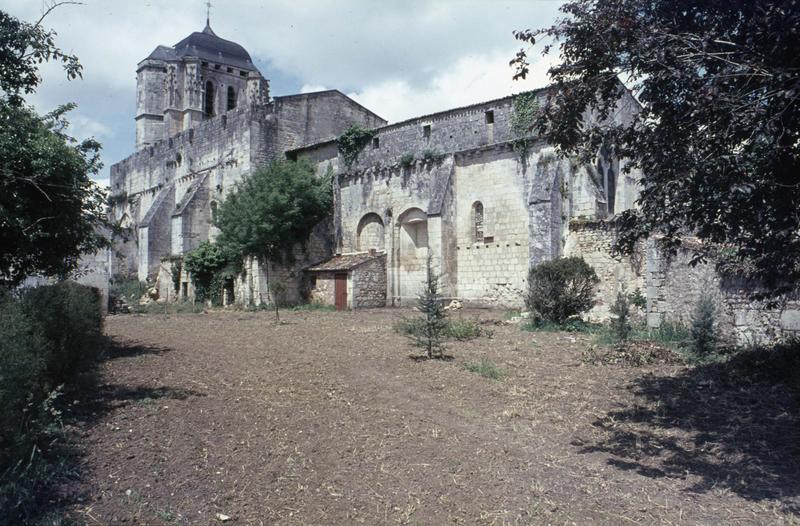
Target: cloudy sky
398,58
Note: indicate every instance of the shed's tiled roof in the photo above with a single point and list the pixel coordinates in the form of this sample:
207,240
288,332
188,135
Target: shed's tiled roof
344,262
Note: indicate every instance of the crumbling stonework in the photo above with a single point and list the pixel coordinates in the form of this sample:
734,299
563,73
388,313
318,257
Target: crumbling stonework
672,288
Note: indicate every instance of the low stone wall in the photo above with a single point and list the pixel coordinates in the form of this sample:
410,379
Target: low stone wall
322,290
592,240
673,287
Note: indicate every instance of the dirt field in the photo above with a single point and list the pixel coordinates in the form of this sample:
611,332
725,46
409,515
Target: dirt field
326,419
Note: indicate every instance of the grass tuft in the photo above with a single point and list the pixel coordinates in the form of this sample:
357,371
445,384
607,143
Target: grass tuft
485,368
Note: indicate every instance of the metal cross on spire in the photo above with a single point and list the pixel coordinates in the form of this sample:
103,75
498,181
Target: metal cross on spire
208,12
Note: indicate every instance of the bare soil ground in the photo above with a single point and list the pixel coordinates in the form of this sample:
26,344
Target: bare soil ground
325,419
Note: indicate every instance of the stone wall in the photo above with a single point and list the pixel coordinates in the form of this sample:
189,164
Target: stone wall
673,287
253,287
369,284
592,240
491,268
322,289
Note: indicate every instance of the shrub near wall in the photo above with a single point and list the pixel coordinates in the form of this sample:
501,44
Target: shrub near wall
46,336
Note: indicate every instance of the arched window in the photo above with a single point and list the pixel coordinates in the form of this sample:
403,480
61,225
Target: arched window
208,107
231,98
477,221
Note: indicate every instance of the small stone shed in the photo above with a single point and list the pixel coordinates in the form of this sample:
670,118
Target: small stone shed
350,281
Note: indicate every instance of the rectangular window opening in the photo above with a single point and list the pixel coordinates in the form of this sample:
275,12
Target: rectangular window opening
242,73
426,131
230,70
490,117
204,64
376,143
216,66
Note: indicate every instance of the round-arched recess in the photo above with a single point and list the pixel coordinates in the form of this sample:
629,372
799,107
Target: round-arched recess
412,253
370,232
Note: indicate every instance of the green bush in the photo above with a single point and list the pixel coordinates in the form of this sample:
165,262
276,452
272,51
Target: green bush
47,335
130,290
461,329
560,289
406,160
70,321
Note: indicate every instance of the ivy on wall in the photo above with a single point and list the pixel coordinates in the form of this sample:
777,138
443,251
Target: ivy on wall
523,115
352,141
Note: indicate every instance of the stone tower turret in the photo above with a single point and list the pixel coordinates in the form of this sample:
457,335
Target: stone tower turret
198,78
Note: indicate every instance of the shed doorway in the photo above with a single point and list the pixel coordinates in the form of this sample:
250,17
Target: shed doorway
340,291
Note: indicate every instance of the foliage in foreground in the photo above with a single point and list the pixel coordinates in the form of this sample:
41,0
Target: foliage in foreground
560,289
47,336
49,206
717,135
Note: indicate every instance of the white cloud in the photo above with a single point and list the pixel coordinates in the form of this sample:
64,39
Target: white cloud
399,58
469,80
102,181
311,88
82,127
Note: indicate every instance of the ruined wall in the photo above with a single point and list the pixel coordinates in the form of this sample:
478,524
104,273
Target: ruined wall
673,288
323,289
592,240
253,287
369,284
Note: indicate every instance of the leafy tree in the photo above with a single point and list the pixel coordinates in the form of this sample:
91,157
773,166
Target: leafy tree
210,264
49,206
718,136
272,209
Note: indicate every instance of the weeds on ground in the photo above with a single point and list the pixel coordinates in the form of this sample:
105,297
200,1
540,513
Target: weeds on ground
485,368
178,307
461,329
127,289
631,354
454,329
671,335
313,306
571,325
